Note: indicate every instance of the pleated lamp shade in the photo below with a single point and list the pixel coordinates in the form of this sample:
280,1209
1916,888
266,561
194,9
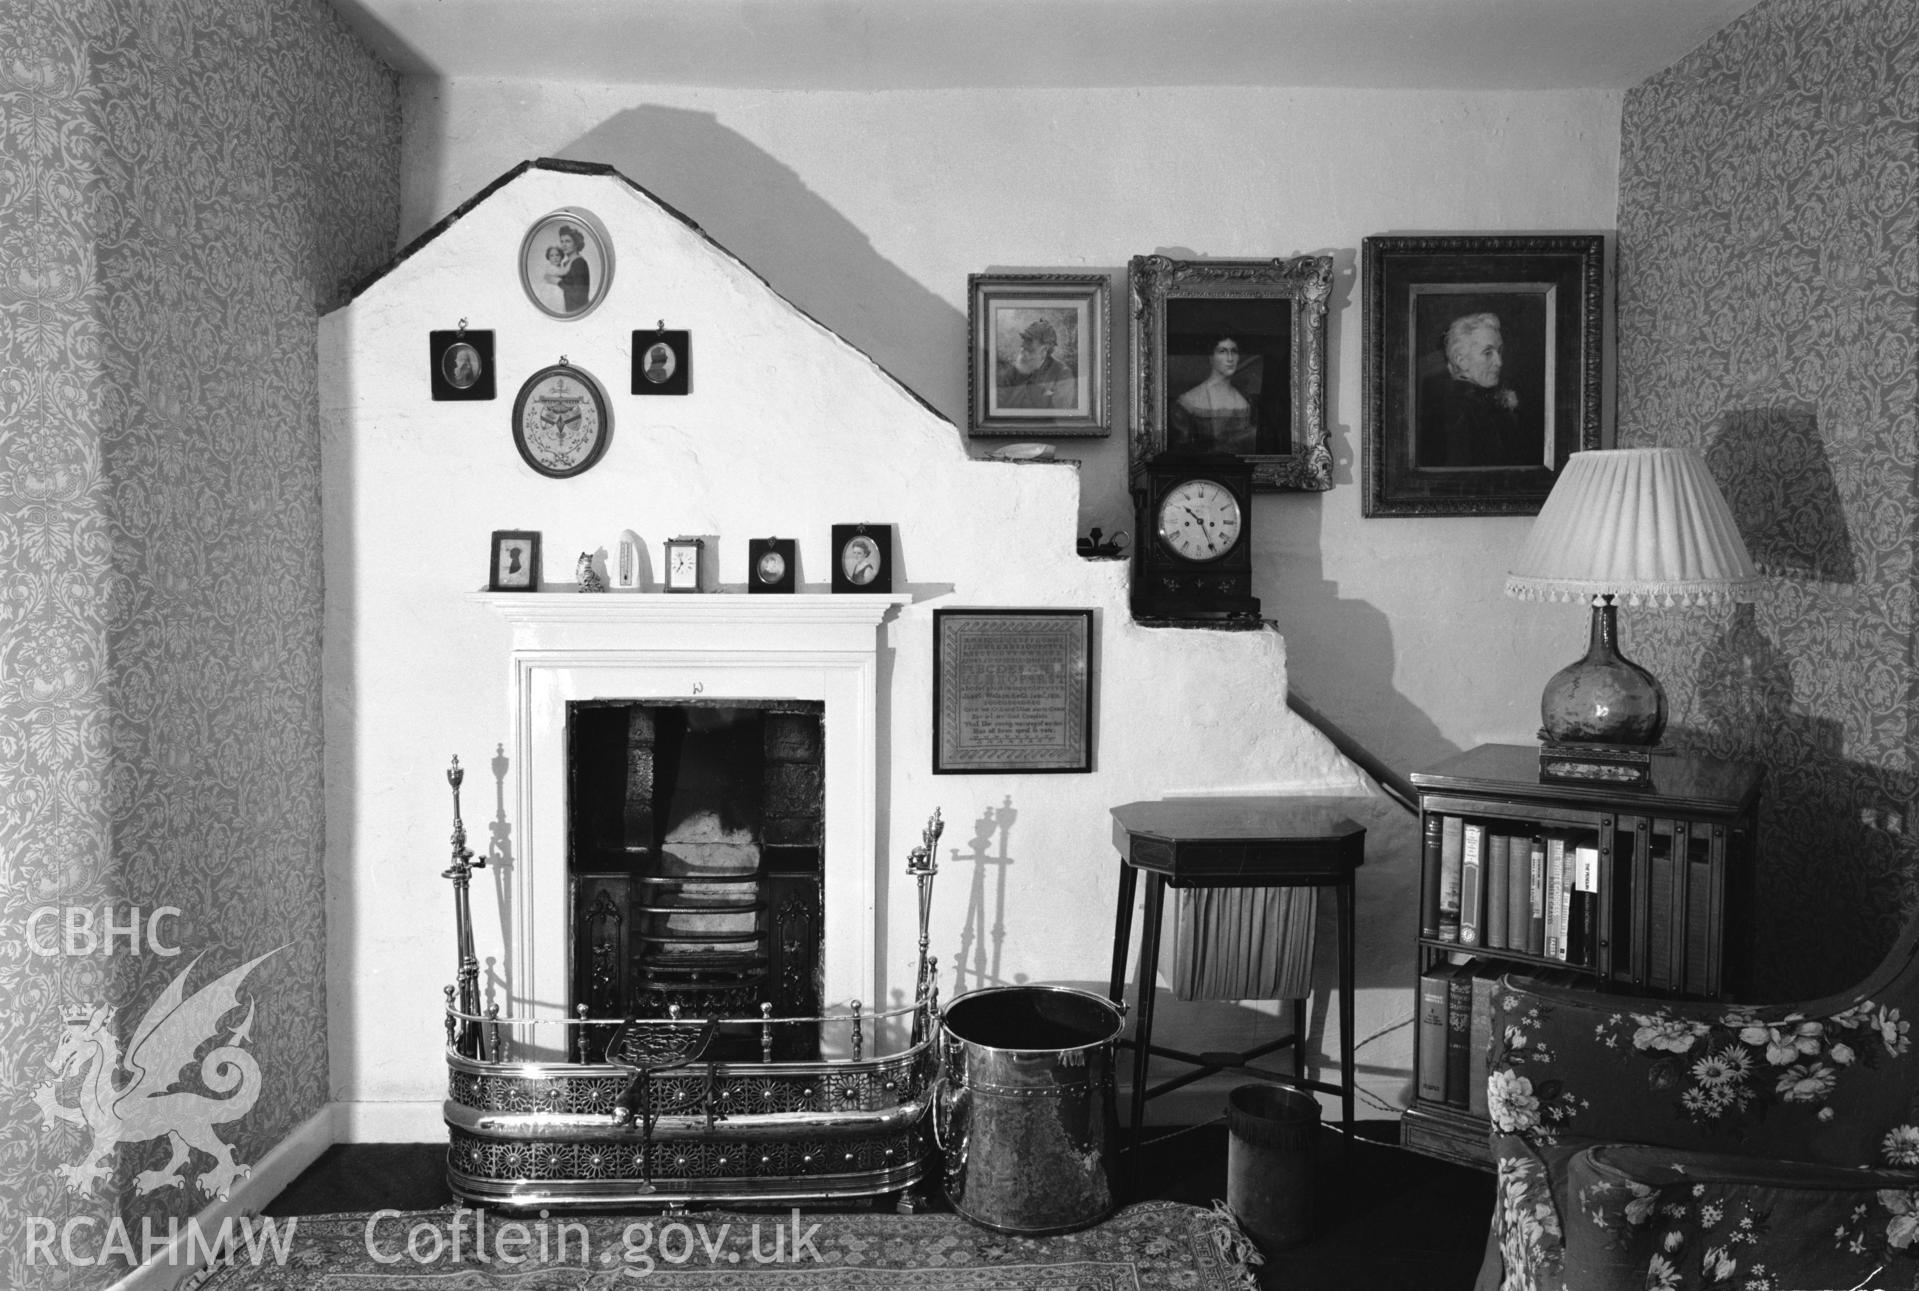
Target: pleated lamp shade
1639,524
1631,524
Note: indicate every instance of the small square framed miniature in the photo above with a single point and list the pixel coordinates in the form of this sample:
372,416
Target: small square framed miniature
862,557
514,561
772,564
662,362
460,364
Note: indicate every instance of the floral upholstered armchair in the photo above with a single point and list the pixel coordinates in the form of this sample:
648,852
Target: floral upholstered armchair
1662,1144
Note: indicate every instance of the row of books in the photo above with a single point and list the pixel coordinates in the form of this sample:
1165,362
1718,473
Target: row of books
1456,1029
1502,885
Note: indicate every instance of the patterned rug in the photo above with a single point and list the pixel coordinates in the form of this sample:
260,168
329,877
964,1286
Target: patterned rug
1153,1246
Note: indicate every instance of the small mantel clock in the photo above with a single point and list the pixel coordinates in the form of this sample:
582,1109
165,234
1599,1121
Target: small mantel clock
1193,559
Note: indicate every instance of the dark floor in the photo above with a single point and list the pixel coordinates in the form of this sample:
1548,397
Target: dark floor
1386,1220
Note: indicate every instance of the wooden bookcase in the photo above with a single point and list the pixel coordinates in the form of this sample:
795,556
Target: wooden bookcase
1671,906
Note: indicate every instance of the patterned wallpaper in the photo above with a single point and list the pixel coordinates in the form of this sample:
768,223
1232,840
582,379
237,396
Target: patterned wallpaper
185,185
1768,315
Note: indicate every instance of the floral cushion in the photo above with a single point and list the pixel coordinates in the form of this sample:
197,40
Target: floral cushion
1581,1083
1655,1218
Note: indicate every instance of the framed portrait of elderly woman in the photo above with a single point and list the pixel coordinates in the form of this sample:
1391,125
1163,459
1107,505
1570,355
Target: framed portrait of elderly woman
566,263
1037,360
1481,369
1229,356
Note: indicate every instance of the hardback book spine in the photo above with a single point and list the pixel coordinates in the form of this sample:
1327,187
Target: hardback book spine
1459,1033
1555,898
1496,878
1536,897
1432,867
1472,854
1583,912
1481,1037
1434,999
1659,921
1701,972
1519,892
1452,832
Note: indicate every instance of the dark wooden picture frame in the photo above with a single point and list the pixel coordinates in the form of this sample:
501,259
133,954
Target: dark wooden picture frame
1269,405
562,423
1038,358
662,362
460,365
862,557
513,561
1012,691
1482,369
772,564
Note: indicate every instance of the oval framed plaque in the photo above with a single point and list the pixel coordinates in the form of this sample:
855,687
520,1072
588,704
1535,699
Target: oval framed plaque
561,423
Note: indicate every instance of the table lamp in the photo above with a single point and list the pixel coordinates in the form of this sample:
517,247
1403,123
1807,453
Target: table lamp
1642,524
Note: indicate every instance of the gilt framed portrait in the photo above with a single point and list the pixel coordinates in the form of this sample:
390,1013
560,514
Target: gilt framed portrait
1230,356
1037,359
566,263
1482,365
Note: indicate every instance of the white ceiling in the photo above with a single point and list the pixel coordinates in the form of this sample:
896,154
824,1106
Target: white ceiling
947,44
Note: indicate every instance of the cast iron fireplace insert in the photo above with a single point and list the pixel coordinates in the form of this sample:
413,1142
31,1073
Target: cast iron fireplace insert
694,854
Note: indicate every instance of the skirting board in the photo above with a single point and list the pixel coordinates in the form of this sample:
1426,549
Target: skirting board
268,1178
419,1121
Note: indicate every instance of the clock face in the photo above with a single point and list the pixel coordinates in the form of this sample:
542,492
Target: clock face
1199,520
682,566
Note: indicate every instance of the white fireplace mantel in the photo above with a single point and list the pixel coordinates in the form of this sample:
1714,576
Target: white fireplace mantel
568,647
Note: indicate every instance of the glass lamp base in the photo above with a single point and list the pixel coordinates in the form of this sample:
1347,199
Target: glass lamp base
1604,698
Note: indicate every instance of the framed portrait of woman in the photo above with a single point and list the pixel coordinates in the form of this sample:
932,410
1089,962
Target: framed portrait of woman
1229,356
1482,366
566,263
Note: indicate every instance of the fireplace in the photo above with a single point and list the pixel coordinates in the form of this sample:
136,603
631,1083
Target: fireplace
801,670
694,957
694,859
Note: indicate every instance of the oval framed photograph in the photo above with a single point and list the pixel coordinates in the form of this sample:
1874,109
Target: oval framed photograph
561,423
462,366
566,263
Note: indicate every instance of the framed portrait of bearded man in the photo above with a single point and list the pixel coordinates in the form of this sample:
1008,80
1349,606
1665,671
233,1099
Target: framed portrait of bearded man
1037,360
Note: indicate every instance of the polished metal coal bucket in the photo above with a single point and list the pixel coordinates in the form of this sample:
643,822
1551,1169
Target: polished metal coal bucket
1024,1111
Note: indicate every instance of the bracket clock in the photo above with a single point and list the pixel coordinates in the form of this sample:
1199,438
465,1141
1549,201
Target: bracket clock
1193,559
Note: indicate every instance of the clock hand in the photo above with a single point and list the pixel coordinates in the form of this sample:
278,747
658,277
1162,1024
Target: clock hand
1202,528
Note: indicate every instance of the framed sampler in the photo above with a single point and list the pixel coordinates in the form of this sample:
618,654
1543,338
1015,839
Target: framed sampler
1012,691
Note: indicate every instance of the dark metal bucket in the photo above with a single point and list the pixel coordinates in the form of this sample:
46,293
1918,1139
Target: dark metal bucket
1025,1112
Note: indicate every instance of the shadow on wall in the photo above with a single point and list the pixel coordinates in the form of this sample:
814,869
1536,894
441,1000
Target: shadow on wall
1835,854
1340,654
1779,483
1835,881
761,210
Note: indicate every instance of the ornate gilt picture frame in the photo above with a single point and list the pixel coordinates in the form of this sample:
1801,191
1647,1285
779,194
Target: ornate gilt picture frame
1230,355
1482,369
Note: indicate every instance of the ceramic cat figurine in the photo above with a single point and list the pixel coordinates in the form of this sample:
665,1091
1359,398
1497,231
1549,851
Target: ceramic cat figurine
589,578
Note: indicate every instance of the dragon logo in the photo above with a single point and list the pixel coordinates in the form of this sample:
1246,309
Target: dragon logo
148,1106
